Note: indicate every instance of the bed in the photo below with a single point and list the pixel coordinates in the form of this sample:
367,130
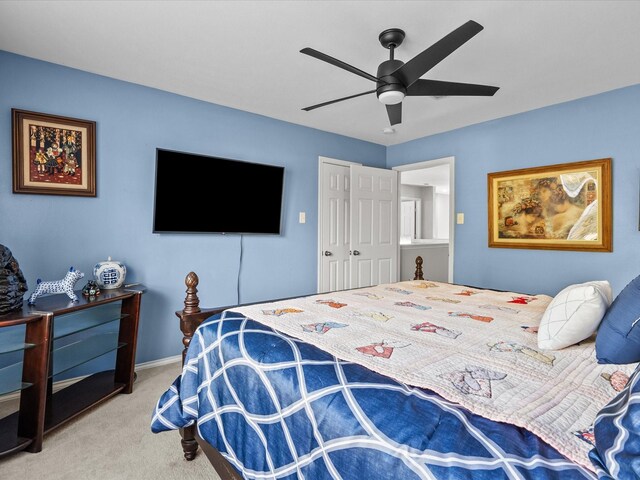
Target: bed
415,379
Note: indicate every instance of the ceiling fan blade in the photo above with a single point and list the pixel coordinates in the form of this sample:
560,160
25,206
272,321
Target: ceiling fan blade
439,88
337,100
338,63
429,58
395,113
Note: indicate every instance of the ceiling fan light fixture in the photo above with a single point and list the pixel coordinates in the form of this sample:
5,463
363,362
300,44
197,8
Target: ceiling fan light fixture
396,79
391,97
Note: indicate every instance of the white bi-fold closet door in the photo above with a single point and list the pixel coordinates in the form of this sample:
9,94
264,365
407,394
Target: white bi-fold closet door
358,226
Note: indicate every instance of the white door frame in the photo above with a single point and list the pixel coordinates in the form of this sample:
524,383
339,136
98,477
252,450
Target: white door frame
323,160
452,211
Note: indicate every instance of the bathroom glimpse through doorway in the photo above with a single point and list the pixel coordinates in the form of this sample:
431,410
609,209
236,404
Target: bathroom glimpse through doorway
426,220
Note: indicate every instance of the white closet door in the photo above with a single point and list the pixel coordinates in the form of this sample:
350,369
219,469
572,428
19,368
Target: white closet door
374,226
408,219
334,228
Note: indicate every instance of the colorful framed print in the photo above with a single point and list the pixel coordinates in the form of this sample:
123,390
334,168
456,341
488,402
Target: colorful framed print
555,207
53,155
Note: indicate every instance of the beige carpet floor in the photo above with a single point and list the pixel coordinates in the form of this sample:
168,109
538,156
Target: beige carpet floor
112,441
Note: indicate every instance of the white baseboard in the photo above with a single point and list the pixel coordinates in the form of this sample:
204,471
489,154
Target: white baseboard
159,363
65,383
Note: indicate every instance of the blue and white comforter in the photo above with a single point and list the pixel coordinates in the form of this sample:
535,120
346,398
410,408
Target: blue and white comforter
277,407
617,435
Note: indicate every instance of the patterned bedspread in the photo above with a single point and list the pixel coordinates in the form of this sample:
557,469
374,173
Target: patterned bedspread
279,408
477,348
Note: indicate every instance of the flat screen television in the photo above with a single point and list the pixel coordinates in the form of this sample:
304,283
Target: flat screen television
205,194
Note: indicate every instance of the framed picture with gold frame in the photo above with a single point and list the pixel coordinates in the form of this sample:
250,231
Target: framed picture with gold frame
53,155
555,207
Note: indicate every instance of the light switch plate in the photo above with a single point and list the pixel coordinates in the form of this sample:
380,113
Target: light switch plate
460,218
302,217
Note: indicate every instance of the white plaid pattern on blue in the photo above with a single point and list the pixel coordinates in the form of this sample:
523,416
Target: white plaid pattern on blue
617,434
279,408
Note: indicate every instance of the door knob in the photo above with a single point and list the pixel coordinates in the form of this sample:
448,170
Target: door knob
356,252
327,253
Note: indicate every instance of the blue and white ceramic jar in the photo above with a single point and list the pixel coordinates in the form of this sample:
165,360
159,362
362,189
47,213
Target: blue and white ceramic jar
110,274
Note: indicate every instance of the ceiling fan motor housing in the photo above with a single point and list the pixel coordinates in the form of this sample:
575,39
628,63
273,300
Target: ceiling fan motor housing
386,81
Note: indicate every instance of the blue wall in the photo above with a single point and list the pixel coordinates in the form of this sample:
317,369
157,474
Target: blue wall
605,125
48,233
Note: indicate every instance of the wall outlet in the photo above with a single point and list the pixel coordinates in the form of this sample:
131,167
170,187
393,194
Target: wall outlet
302,217
460,218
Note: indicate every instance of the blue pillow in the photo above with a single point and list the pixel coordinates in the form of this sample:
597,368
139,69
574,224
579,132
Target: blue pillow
618,338
617,435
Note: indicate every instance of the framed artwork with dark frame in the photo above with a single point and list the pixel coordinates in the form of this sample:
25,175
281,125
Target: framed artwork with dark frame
555,207
53,155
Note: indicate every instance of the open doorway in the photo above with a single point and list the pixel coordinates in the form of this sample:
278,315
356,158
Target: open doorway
427,218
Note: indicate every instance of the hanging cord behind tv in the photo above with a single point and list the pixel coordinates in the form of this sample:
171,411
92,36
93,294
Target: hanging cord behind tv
239,270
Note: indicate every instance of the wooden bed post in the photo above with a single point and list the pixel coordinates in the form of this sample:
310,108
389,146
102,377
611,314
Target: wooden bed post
191,316
418,275
191,305
188,327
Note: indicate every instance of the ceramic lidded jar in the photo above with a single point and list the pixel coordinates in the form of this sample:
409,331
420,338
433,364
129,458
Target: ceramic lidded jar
109,274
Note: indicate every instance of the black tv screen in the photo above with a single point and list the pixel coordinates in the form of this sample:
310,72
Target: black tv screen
205,194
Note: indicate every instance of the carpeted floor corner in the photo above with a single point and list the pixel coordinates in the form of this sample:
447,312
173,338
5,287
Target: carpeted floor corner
112,441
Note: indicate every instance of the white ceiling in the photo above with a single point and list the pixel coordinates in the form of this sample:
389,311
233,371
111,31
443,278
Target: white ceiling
245,54
437,177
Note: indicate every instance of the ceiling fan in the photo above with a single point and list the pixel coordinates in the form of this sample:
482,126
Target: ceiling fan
396,79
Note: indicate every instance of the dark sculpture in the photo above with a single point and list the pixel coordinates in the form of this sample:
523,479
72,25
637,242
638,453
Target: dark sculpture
13,285
91,289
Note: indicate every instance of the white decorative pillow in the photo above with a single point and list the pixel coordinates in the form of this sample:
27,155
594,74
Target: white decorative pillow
574,314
